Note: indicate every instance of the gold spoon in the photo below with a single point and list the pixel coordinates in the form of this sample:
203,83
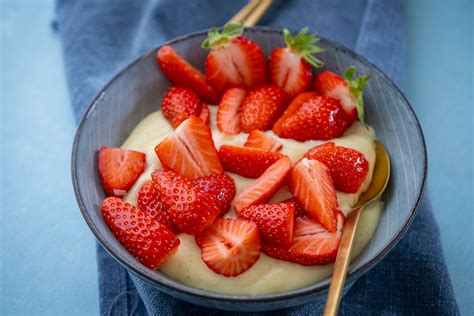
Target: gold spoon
377,186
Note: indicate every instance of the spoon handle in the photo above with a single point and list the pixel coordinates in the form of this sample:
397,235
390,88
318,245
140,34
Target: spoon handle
342,263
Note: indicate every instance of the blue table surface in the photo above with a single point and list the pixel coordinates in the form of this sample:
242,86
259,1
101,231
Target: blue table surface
47,260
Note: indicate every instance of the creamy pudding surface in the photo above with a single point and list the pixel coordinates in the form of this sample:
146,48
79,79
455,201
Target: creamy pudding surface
267,275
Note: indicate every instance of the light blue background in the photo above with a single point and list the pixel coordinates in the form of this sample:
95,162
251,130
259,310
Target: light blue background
47,253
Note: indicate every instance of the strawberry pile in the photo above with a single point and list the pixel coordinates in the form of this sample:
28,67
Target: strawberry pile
192,192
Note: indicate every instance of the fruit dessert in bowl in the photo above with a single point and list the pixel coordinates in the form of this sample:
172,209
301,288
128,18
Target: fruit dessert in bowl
229,186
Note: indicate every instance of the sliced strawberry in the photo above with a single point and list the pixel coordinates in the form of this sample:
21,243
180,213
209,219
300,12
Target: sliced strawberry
119,169
183,74
320,118
221,187
230,246
179,104
346,89
246,161
190,208
299,211
149,201
312,244
275,221
205,115
261,140
347,166
291,109
263,188
146,239
190,151
228,112
290,67
311,184
261,107
234,60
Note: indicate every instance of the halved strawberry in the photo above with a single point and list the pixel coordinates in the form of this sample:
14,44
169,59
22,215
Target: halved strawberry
299,211
311,184
230,246
205,115
149,201
221,187
179,104
319,118
234,60
312,244
275,221
190,208
119,169
291,109
190,151
146,239
290,67
228,112
246,161
261,107
263,188
261,140
183,74
347,166
346,89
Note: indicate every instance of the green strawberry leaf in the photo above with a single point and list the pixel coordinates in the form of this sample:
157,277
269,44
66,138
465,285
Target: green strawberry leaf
356,86
304,45
229,32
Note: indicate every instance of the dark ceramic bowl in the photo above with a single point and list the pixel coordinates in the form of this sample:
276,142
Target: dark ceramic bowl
137,90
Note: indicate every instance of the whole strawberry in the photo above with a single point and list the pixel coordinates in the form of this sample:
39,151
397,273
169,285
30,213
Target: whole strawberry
221,187
233,60
261,107
146,239
290,67
347,166
178,104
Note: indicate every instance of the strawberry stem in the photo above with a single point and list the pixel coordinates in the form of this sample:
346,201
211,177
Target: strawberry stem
229,32
356,86
304,45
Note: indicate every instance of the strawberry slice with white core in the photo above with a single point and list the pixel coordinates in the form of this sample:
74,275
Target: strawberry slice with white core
265,186
261,140
119,169
312,244
311,184
230,246
190,150
346,89
228,112
290,67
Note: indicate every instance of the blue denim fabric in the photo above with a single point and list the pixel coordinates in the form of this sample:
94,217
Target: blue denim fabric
100,37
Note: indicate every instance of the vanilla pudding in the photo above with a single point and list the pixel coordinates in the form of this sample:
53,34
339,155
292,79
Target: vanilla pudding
267,275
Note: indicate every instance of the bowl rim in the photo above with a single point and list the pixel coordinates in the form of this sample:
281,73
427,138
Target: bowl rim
169,285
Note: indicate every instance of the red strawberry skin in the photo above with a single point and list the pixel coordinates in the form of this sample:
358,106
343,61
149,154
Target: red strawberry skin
261,107
291,109
146,239
149,201
246,161
239,62
311,184
190,208
299,211
178,104
275,221
347,166
263,188
190,150
320,118
228,112
183,74
261,140
221,187
289,71
119,169
312,244
230,246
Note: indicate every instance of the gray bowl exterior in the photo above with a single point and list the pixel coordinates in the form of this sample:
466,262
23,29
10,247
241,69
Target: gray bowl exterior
137,90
